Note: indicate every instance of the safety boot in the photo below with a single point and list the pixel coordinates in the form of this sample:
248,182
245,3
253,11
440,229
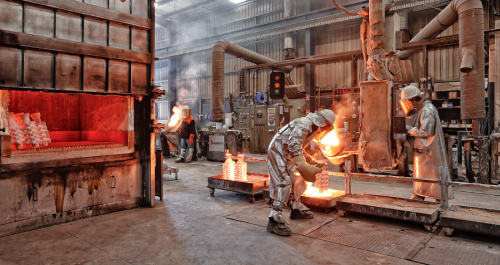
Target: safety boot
298,214
189,155
280,229
181,156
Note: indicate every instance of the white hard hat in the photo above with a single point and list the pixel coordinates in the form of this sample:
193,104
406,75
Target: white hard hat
410,92
185,107
328,115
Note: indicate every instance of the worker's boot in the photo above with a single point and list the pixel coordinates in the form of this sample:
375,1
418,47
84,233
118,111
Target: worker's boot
189,155
298,214
181,156
280,229
299,210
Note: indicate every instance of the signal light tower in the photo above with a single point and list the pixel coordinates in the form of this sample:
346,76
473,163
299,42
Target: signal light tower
277,85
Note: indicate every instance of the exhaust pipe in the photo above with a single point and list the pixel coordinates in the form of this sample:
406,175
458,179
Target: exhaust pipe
470,16
218,51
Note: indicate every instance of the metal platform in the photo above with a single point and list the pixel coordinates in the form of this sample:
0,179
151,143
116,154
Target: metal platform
442,250
260,216
422,212
255,185
328,204
387,240
484,221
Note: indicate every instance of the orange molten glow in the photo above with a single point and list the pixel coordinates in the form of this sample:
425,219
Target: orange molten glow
314,192
406,106
176,117
330,139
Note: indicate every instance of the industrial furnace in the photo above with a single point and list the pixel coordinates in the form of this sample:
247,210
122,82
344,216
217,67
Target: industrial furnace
77,122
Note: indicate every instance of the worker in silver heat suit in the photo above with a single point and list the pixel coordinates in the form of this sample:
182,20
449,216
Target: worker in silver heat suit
429,148
284,156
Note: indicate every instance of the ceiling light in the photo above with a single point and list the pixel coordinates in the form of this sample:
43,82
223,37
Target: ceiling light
237,1
156,4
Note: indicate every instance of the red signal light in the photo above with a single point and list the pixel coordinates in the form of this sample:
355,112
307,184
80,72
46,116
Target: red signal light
277,78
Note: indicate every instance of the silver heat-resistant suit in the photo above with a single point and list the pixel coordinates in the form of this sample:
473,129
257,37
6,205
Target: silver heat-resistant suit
287,143
429,151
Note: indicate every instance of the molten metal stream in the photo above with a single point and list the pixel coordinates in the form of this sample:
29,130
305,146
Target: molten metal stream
314,192
330,139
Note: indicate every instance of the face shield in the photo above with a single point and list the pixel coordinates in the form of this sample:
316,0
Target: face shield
186,113
407,107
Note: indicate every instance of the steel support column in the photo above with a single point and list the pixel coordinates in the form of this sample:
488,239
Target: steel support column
310,86
310,72
496,108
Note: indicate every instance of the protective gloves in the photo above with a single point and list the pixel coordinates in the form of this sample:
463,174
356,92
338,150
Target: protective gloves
313,162
191,139
307,171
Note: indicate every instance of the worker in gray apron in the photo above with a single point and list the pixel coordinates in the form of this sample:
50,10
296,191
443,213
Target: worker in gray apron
429,148
284,156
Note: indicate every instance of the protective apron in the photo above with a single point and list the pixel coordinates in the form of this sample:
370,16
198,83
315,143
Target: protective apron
287,143
429,151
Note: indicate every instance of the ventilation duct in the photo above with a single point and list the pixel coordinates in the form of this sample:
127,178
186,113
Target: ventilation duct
289,49
470,16
218,51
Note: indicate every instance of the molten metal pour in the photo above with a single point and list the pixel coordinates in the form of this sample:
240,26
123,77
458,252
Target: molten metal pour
327,144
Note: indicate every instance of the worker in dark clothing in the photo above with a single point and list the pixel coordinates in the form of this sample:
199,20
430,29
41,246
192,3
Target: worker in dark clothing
188,134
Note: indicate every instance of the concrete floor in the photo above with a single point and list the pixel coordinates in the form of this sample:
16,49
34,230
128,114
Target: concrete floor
189,227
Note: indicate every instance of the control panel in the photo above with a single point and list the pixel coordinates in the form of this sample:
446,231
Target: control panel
243,123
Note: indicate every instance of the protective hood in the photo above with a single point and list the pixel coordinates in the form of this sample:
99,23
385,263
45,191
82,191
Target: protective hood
317,119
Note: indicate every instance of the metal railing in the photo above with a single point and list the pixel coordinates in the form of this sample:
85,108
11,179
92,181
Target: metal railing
444,175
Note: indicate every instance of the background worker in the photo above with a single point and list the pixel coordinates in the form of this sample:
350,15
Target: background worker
284,156
427,138
188,135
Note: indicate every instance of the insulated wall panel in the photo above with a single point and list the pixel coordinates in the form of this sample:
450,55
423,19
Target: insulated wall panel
122,6
375,125
118,75
10,65
38,69
139,40
103,3
38,21
140,8
139,78
69,26
11,15
95,31
68,71
119,36
94,74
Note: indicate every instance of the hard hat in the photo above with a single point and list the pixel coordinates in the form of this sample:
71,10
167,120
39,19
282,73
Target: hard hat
410,92
328,115
185,107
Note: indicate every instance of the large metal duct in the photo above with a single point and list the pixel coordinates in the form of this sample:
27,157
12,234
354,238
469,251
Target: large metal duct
288,40
218,51
470,16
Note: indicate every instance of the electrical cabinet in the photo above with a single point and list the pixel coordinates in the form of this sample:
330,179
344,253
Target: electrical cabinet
259,124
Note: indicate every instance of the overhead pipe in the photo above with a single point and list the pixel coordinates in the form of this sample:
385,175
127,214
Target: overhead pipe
288,40
218,51
470,16
467,62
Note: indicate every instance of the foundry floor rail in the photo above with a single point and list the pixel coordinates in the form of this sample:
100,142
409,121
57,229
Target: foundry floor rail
444,174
